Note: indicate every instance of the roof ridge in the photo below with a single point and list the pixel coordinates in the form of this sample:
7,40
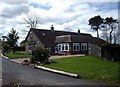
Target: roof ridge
59,31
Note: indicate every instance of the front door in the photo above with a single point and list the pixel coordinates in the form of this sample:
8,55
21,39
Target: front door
56,49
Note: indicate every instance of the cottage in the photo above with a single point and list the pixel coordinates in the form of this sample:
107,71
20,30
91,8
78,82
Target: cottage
63,42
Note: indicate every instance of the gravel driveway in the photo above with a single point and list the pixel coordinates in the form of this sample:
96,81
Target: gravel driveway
20,60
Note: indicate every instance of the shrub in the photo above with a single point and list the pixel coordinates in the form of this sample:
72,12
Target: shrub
6,49
40,54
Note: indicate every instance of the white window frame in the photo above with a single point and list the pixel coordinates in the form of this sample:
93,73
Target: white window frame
77,46
62,47
59,47
84,46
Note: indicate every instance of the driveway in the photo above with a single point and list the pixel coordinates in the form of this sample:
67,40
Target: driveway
13,73
20,60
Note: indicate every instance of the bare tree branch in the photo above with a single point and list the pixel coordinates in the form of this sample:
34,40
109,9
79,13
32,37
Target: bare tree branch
32,20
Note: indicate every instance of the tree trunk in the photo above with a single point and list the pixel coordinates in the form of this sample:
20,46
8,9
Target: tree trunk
97,34
115,38
111,34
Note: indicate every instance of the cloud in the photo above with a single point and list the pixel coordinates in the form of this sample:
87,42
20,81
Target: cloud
68,15
13,10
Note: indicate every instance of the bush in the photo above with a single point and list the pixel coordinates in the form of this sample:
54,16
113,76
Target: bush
6,49
40,54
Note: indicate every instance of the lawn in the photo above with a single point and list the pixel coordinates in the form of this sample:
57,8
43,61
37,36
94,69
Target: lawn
17,55
88,67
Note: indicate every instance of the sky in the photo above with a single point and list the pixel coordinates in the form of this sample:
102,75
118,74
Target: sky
64,15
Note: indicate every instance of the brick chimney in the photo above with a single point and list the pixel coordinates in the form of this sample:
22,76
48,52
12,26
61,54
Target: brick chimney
52,28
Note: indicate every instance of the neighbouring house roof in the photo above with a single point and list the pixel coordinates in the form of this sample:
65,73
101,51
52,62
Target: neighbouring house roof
47,37
78,38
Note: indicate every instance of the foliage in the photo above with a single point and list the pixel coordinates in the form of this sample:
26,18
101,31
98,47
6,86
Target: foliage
17,55
40,54
112,51
111,25
95,23
22,44
88,67
6,49
20,48
12,39
110,30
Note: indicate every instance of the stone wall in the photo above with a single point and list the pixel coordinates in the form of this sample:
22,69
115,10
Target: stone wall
32,38
94,50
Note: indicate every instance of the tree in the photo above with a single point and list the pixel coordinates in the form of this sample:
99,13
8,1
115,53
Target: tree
116,35
32,20
112,29
22,44
12,39
95,23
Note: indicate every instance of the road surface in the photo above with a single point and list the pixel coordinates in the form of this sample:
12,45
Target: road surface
14,73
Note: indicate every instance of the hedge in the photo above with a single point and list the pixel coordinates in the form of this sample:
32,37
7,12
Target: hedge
112,51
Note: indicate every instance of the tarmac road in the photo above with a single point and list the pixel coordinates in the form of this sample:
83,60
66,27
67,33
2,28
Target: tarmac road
14,73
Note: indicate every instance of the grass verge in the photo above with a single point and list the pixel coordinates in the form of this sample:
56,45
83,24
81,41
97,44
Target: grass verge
17,55
88,67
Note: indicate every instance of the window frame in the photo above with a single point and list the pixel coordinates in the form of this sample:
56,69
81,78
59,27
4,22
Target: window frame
77,46
84,46
63,46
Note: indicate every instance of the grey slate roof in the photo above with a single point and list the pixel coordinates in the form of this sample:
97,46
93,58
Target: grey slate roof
47,37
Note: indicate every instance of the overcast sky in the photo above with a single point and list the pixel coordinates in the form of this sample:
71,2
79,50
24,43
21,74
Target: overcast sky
67,15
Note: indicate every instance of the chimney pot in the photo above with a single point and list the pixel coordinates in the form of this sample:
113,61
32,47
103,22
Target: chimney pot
79,31
52,28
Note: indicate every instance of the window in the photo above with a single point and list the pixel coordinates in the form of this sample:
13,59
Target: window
76,46
49,49
59,47
63,47
66,46
83,46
